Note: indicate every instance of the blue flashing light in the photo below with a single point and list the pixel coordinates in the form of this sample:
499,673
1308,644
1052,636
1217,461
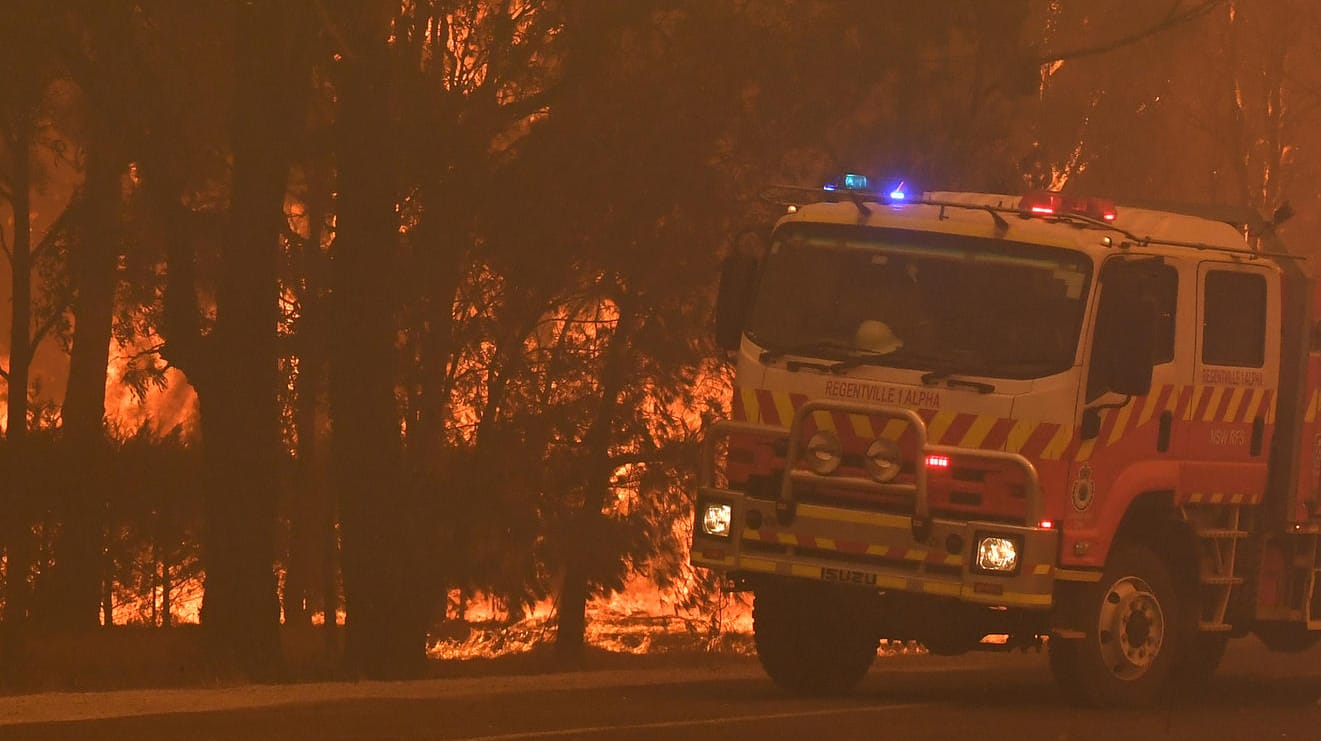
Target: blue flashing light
897,193
828,186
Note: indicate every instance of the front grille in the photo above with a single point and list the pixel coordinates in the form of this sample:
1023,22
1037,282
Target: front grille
858,559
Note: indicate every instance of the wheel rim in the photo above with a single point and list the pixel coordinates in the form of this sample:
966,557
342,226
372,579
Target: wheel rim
1131,628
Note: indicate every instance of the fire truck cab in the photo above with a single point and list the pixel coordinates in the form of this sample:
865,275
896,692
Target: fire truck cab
962,415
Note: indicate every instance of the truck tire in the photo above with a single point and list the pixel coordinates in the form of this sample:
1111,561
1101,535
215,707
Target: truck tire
1129,621
814,639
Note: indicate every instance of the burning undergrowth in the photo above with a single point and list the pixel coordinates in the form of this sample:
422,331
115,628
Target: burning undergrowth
636,622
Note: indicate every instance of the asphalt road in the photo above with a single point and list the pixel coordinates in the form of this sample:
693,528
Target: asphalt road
1257,695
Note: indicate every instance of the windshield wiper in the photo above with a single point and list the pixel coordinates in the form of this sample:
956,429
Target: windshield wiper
808,348
936,376
861,357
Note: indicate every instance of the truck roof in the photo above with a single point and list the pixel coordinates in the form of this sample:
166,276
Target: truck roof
1155,230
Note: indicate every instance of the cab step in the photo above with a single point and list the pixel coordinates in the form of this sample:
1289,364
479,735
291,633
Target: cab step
1216,533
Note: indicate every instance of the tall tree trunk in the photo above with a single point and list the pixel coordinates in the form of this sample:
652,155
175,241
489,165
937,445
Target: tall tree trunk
310,498
76,577
19,545
240,609
574,594
386,628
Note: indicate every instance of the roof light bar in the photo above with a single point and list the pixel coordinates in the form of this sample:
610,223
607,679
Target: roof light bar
1049,203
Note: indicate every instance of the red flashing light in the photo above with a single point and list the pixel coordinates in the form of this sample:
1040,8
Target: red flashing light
1046,524
1047,203
937,461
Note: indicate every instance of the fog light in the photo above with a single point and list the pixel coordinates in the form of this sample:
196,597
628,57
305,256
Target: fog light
997,554
884,460
824,452
716,520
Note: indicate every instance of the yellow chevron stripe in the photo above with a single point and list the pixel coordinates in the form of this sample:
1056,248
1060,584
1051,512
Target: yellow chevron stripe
891,582
939,425
1085,450
803,570
784,407
787,538
1008,598
1270,411
1217,393
1172,404
1311,406
877,550
861,425
894,428
750,404
824,421
1077,575
1236,398
1149,405
1054,449
758,564
1121,424
1250,413
1019,434
1193,403
878,519
976,433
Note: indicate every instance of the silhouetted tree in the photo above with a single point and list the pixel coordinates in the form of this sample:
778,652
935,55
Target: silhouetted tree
385,626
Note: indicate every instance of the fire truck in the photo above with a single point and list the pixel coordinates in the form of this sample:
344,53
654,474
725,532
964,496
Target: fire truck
974,420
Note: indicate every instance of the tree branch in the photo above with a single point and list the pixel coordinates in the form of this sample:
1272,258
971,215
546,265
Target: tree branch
55,231
1172,19
43,330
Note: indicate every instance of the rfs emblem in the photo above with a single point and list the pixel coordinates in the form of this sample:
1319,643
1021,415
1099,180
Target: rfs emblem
1084,488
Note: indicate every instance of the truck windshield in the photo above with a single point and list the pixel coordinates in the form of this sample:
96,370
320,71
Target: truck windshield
932,301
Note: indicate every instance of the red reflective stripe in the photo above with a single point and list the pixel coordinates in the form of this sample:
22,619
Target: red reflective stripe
1039,439
737,411
995,439
770,414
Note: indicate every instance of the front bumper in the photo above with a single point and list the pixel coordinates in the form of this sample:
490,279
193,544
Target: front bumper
886,551
877,550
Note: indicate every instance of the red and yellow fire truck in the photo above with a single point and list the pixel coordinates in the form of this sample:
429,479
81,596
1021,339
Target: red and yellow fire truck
962,415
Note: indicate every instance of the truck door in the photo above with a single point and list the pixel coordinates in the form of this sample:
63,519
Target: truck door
1230,414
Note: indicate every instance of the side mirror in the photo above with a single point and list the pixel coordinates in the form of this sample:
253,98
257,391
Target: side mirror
737,280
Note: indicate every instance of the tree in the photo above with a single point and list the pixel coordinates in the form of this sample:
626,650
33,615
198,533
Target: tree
239,393
25,143
386,628
104,77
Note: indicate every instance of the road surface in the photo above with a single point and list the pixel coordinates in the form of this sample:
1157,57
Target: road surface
1257,695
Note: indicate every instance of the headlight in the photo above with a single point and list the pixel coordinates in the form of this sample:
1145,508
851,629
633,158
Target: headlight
824,452
997,554
716,520
884,460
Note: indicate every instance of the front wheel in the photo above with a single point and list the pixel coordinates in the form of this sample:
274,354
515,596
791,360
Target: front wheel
1128,619
814,639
